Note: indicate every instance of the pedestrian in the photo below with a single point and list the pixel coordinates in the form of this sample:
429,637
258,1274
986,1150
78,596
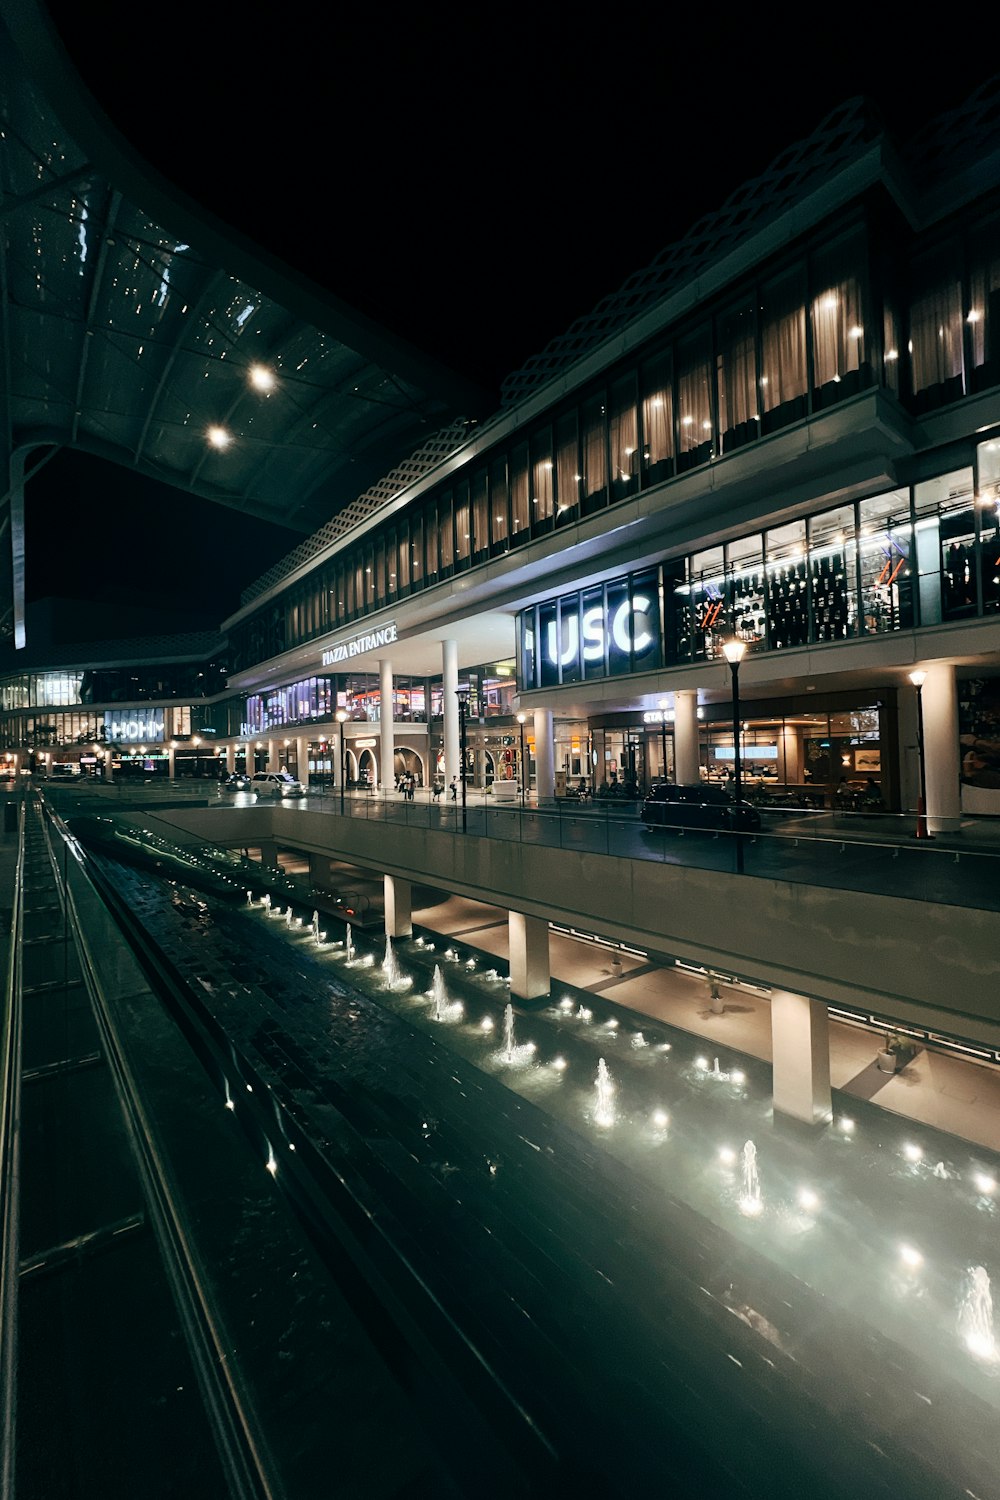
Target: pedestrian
454,789
437,789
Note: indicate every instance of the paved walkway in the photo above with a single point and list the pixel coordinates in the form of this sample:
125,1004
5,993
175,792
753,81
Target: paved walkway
954,1094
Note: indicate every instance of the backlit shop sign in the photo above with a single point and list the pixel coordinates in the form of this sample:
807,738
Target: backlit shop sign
128,727
608,628
357,645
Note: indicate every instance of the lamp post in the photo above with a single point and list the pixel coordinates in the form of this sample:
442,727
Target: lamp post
734,652
918,679
462,712
341,717
663,734
523,778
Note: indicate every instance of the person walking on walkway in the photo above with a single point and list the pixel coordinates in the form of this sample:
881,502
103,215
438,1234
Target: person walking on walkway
454,789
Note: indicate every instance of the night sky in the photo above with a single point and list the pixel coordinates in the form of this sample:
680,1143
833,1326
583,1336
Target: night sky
475,179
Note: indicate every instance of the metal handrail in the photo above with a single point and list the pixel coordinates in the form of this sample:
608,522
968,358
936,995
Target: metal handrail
10,1130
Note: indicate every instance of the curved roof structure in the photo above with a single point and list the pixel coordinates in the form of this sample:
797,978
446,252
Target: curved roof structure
137,328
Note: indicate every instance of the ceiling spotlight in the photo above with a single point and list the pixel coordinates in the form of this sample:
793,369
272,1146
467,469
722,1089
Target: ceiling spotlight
261,378
219,437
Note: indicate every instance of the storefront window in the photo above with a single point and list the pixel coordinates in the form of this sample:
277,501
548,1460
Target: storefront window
708,603
592,633
885,544
787,586
936,331
833,569
745,573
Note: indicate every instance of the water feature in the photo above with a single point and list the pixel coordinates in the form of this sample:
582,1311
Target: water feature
315,927
288,916
249,898
395,979
267,902
508,1033
439,995
348,945
975,1315
750,1199
604,1084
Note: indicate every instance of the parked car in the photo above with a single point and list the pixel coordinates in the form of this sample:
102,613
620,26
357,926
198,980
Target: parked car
276,784
669,806
236,782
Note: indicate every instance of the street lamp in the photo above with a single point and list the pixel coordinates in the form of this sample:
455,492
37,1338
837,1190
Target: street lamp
918,679
734,652
523,778
341,716
462,712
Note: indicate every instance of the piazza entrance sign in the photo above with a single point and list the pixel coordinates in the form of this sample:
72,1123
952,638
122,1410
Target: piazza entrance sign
357,645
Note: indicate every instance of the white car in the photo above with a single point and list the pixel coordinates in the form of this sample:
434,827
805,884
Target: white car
276,784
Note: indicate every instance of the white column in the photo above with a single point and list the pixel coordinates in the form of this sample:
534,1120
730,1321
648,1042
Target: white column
171,762
545,763
941,760
790,754
449,665
302,760
230,760
686,748
398,921
528,938
387,747
800,1054
273,755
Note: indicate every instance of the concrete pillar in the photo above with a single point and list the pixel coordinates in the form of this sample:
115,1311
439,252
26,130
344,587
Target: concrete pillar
398,921
545,761
171,762
941,759
529,956
800,1052
790,754
686,746
387,747
269,853
230,759
449,664
302,761
273,755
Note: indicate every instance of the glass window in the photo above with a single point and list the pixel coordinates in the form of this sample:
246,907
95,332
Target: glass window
708,602
548,645
417,548
885,541
745,575
380,591
542,487
480,515
569,638
936,331
657,419
595,462
694,399
989,524
499,502
619,620
837,320
593,635
945,547
623,432
833,569
403,557
677,610
736,373
783,382
446,535
520,500
568,475
983,316
787,586
463,529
